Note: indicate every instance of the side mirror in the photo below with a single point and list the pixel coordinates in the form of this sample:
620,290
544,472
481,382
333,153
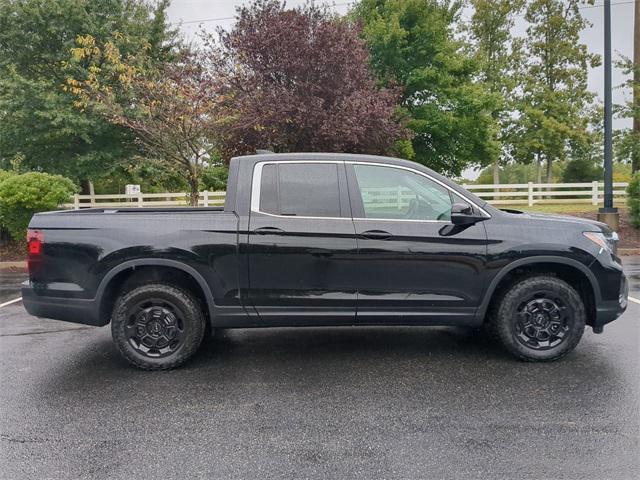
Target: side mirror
463,214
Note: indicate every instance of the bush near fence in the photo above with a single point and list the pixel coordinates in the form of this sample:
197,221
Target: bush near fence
633,200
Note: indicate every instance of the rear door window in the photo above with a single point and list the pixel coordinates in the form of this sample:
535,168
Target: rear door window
300,189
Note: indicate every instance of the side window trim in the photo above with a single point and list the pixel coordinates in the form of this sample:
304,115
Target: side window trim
256,183
356,196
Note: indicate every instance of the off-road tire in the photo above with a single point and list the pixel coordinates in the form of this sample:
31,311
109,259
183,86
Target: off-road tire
185,312
503,319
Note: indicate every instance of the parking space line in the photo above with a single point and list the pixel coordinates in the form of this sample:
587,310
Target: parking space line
16,300
634,300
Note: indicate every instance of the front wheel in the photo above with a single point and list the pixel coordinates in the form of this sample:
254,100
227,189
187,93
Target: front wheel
540,318
157,326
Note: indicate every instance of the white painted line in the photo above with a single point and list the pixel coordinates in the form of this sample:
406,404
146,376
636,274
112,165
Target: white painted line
15,300
634,300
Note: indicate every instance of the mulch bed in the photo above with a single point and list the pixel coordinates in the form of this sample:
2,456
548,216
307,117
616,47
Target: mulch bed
12,251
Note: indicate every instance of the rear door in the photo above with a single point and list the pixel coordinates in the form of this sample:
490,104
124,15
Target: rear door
414,265
302,249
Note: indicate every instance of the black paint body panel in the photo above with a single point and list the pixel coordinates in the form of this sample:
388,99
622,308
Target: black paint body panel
310,271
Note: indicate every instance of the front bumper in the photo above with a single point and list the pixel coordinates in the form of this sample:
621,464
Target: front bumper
76,310
607,312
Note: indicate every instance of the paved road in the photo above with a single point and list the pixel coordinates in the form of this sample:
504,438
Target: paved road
318,403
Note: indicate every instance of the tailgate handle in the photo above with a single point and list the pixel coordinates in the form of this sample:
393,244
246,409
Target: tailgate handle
268,231
376,234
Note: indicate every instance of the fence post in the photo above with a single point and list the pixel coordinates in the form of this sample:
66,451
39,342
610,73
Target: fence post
76,201
530,193
140,199
399,197
205,198
594,192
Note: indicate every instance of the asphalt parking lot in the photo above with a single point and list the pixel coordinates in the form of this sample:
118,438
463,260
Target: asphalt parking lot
317,403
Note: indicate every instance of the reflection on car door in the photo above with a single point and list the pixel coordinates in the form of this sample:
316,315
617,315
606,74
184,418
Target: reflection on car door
302,250
412,266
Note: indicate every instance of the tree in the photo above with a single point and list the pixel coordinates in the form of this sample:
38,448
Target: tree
174,111
555,109
627,141
37,117
412,43
497,56
299,80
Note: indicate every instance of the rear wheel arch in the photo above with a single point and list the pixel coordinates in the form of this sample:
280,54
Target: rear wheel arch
569,270
137,272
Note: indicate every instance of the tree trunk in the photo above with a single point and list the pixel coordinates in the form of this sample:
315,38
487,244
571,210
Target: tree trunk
496,176
86,187
194,195
549,171
635,158
538,170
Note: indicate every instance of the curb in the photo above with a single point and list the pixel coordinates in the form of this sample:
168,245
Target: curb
14,267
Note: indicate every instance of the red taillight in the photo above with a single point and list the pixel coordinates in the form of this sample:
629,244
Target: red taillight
35,241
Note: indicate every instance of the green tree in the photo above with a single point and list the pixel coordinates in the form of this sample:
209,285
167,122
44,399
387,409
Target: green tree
497,54
38,118
412,44
556,105
627,141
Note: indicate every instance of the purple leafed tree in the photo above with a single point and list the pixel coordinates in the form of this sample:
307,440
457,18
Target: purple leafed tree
299,80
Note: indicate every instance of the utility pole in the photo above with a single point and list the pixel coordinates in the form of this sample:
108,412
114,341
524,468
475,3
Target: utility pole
635,160
608,214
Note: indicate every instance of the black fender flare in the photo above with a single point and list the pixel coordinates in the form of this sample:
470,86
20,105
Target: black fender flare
156,262
482,309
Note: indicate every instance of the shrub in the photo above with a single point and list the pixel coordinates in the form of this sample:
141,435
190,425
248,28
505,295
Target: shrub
23,195
4,174
633,200
215,178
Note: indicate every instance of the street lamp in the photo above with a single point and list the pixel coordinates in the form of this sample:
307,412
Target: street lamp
608,213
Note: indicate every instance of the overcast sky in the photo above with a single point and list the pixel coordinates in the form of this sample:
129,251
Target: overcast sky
192,15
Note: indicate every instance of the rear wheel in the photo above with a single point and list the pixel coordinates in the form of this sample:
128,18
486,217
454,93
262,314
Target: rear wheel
157,326
539,318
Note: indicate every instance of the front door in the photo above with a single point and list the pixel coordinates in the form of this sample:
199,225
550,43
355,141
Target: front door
302,249
414,266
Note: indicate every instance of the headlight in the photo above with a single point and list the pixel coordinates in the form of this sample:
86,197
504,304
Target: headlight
605,242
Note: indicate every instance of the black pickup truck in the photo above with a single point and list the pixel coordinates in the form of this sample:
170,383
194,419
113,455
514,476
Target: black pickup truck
324,239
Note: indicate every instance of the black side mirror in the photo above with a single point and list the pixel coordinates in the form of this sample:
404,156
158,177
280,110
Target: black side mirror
463,214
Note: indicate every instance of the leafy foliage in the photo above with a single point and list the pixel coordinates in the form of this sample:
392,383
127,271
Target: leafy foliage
627,141
37,116
299,81
498,56
23,195
581,170
633,200
412,43
215,178
555,105
174,111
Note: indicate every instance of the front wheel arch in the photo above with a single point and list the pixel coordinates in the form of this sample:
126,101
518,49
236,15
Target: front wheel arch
569,270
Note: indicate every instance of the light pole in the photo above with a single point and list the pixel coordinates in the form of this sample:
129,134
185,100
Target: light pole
608,214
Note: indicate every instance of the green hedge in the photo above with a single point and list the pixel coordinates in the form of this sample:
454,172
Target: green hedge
23,195
633,200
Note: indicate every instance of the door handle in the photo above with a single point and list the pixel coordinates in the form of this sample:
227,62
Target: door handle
376,234
268,231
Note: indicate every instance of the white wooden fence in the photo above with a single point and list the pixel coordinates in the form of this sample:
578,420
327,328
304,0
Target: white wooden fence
503,194
534,193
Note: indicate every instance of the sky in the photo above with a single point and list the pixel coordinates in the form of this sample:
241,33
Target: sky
193,15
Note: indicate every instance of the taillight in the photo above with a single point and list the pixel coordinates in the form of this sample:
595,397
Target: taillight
35,242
